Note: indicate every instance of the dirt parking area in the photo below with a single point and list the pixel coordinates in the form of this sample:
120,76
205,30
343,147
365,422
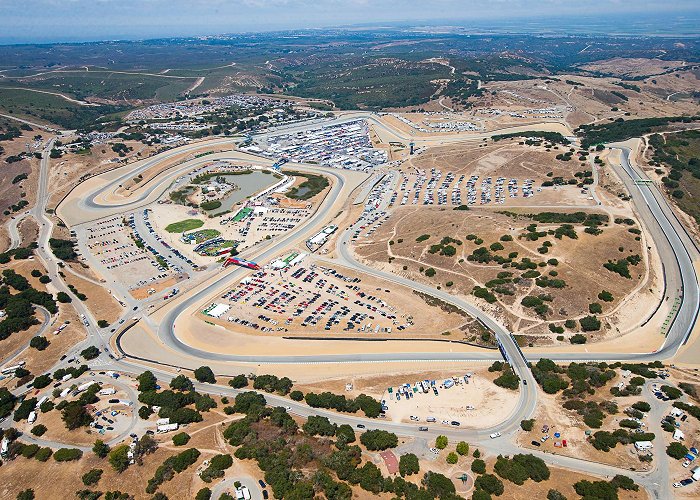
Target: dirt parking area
469,398
312,299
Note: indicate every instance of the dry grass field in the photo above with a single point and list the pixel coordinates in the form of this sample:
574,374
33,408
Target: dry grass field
577,261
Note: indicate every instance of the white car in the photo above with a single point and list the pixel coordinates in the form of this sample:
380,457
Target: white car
414,418
434,450
470,407
677,485
495,435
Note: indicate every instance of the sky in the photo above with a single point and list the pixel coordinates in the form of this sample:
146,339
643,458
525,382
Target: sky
28,21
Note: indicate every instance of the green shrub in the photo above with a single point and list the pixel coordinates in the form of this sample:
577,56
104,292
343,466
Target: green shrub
181,439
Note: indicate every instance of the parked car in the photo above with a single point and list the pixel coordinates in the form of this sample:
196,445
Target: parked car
535,443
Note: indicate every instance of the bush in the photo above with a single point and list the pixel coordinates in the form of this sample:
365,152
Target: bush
521,467
43,454
527,425
595,308
478,466
210,205
118,458
147,381
39,430
296,395
408,465
100,448
204,374
42,381
555,495
589,324
441,442
671,392
39,343
676,450
238,382
606,296
90,352
27,494
578,339
67,454
379,440
452,458
203,494
508,379
92,476
181,439
490,484
272,383
642,406
462,448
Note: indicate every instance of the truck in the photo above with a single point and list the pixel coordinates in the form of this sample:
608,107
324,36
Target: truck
83,387
32,417
4,447
13,368
241,262
167,428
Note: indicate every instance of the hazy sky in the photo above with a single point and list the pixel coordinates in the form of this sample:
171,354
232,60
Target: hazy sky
49,20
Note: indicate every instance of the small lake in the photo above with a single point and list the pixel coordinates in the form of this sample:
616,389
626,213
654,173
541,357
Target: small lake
249,184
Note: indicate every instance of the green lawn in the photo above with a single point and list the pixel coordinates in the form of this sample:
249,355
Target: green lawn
184,225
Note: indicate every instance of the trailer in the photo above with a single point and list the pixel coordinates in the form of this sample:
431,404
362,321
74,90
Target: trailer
241,262
4,447
41,402
108,392
84,387
167,428
13,368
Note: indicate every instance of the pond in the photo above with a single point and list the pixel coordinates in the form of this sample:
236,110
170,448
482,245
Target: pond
248,184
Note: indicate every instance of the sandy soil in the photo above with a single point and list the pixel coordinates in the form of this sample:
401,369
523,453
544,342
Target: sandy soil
487,398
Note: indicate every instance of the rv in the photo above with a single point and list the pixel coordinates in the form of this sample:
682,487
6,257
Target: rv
167,428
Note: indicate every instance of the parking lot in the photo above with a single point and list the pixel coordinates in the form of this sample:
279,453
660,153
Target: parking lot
346,146
464,400
435,187
311,299
120,250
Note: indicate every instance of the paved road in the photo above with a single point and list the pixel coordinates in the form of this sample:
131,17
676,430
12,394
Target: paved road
13,230
45,323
